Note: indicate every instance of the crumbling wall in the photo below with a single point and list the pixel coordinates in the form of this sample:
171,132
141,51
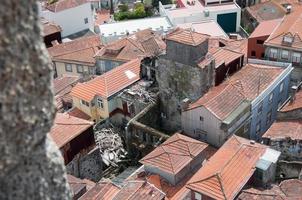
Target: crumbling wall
87,166
31,166
287,170
291,150
178,81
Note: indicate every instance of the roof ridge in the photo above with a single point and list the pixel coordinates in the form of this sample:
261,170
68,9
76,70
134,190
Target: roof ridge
221,185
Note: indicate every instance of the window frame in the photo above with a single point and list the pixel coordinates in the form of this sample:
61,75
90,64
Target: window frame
281,87
79,71
284,57
271,97
100,103
273,54
269,116
86,21
298,58
83,102
66,67
260,108
258,125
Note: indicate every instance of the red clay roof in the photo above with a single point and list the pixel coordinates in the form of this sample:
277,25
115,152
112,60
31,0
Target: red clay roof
187,36
77,184
267,10
61,5
49,28
295,104
228,170
101,191
287,190
265,28
139,45
66,128
79,50
291,26
285,129
174,154
135,190
75,112
245,84
110,82
221,55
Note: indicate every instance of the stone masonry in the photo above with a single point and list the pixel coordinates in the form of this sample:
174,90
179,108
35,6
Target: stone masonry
31,166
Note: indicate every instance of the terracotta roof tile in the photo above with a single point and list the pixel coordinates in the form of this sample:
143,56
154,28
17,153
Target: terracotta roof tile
110,82
139,45
285,129
66,128
101,191
79,50
291,25
77,184
245,84
65,4
187,36
228,170
265,28
75,112
174,154
295,104
49,28
292,188
134,190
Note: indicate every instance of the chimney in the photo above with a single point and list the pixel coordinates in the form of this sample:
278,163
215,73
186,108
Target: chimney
185,103
288,9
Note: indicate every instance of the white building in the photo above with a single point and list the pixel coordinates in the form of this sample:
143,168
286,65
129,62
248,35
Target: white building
118,30
71,16
189,11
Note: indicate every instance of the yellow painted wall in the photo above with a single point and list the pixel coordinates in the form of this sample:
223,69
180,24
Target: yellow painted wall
60,68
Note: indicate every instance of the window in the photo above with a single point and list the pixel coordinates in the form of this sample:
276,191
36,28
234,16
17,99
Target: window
79,68
269,117
273,53
197,196
284,54
296,58
100,103
287,39
201,118
260,41
281,88
258,127
253,53
271,96
262,55
91,70
92,103
260,107
246,127
86,20
84,103
68,67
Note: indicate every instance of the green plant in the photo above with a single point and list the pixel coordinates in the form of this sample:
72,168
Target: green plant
123,8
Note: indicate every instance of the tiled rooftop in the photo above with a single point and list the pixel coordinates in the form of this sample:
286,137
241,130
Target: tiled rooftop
78,50
101,191
174,154
285,129
110,82
135,190
141,44
75,112
49,28
77,185
291,26
265,28
66,128
65,4
187,36
228,170
245,84
296,103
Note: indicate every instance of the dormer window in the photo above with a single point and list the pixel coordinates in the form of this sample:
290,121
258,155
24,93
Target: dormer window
288,39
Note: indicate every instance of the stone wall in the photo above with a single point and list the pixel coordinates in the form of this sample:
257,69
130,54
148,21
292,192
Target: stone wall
287,170
87,166
291,150
31,166
179,81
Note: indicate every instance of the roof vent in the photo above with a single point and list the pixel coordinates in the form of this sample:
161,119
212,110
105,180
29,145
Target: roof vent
252,142
288,9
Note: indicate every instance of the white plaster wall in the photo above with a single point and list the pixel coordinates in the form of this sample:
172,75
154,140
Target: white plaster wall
72,20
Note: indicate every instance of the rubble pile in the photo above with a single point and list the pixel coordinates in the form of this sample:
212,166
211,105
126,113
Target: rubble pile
111,146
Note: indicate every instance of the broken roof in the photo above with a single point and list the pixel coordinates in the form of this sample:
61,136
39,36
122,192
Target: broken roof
139,45
228,170
244,85
101,191
134,190
66,128
79,50
61,5
265,28
49,27
174,154
291,25
110,82
294,104
187,36
285,129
